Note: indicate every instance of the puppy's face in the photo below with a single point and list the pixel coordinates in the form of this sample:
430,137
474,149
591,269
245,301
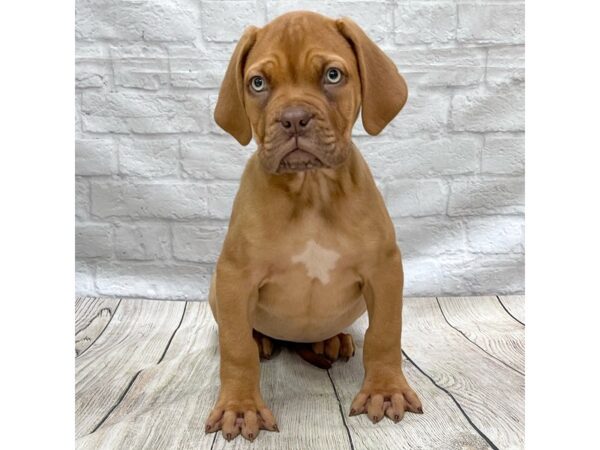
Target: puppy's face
297,85
302,94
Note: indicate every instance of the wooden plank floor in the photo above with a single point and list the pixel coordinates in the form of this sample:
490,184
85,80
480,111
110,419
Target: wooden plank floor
147,375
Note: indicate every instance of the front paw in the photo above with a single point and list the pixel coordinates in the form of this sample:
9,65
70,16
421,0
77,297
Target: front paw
390,395
235,414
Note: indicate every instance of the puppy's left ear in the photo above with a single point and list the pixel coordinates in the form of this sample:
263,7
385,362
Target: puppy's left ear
230,113
383,89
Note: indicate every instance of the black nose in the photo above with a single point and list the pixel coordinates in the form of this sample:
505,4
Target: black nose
295,119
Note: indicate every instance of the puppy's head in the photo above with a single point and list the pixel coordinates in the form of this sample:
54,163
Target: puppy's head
298,84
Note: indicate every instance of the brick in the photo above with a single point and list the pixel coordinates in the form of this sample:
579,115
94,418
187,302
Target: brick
141,241
486,196
424,111
133,104
209,160
140,66
439,67
497,110
92,66
82,199
425,22
416,197
93,240
220,199
483,274
148,158
78,114
94,156
505,65
424,156
491,23
197,242
169,200
193,67
214,128
84,278
496,234
153,280
150,20
165,125
105,124
225,21
429,236
374,17
123,112
422,276
503,155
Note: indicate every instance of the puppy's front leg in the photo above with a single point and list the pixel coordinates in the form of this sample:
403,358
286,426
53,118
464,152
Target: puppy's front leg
385,389
240,407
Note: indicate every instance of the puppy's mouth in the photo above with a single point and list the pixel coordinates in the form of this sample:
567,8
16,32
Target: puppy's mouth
298,160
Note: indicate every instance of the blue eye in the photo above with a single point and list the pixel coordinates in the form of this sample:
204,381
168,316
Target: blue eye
333,76
258,84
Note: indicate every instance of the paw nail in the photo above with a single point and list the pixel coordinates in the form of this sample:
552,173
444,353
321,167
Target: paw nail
276,428
228,436
207,429
251,436
420,410
396,418
375,419
352,412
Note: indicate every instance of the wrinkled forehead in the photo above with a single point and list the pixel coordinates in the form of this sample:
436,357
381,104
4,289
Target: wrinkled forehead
299,45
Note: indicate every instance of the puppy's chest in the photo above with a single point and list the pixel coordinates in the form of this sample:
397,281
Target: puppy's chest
316,260
316,256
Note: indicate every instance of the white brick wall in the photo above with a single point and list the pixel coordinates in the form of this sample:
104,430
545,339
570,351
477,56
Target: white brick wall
155,177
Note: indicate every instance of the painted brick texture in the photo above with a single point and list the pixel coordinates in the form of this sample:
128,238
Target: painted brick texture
155,177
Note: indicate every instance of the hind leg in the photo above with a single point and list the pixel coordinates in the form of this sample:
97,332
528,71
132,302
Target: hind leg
266,345
340,346
324,353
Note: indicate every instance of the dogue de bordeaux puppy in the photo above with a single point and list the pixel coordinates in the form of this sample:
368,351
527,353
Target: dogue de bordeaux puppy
310,244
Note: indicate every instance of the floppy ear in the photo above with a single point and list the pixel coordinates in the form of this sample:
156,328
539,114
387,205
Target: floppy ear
230,113
383,89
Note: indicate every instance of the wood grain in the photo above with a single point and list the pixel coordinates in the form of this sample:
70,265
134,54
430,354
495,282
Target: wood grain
484,322
441,427
490,394
92,315
515,304
135,339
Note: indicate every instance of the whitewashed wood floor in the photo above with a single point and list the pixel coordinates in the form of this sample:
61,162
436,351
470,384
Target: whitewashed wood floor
147,375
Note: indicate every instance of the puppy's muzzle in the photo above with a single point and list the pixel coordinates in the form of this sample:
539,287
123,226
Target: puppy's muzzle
297,123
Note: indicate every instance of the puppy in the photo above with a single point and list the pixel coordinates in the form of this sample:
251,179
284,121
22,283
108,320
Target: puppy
310,244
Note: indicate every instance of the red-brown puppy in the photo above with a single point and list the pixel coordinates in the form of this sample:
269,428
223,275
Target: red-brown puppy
310,244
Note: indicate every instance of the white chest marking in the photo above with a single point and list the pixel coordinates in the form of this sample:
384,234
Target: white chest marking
318,261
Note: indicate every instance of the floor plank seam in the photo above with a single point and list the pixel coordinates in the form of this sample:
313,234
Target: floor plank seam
122,396
174,332
102,332
481,433
507,311
476,344
212,445
117,403
341,410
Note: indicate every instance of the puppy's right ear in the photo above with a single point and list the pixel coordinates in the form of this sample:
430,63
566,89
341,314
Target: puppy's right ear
230,113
